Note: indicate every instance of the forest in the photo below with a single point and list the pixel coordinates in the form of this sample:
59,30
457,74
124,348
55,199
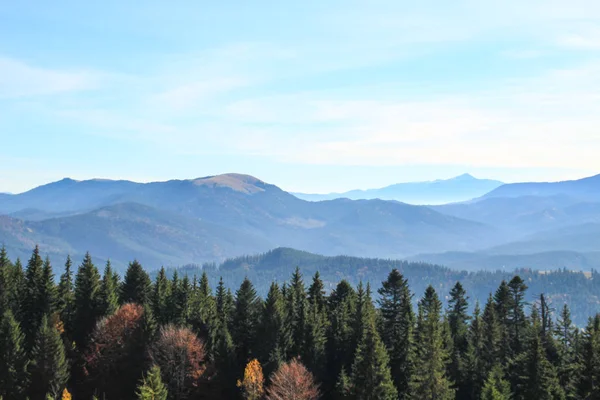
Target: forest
86,335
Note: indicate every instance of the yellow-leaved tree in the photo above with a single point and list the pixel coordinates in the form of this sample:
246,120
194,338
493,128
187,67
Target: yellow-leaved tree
252,385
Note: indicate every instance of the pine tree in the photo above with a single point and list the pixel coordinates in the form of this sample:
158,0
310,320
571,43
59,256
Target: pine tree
136,285
66,298
152,387
203,312
14,377
537,377
516,314
342,304
475,355
160,295
6,289
397,330
371,376
34,306
87,301
496,387
589,379
49,368
245,321
314,355
108,296
429,380
458,319
274,340
296,313
502,301
568,364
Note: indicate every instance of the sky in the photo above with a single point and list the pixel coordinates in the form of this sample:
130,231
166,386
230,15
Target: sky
313,96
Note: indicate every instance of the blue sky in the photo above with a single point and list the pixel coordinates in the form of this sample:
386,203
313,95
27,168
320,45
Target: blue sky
312,96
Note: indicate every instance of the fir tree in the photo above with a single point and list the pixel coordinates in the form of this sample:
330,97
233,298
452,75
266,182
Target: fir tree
274,339
475,365
315,353
203,312
17,297
66,298
6,288
49,368
34,306
343,386
496,387
342,304
429,380
245,321
589,379
397,329
48,290
296,313
568,363
136,285
502,301
87,301
458,319
160,296
371,376
516,314
108,296
152,387
491,337
14,377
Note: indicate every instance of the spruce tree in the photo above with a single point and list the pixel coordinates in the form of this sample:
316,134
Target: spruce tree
496,387
6,288
245,322
371,377
589,379
458,319
429,380
136,285
108,295
475,365
397,328
152,387
203,312
48,290
274,339
342,304
160,296
49,368
87,301
568,364
538,378
502,301
66,298
516,314
34,306
14,377
314,355
17,298
296,313
491,337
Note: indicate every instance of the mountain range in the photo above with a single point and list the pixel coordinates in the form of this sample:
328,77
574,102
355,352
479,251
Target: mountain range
218,217
460,188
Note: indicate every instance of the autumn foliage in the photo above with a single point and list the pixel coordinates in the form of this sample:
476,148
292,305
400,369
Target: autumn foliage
292,381
180,354
115,353
66,395
252,385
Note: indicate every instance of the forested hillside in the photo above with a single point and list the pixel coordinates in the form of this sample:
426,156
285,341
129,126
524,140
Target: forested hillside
103,336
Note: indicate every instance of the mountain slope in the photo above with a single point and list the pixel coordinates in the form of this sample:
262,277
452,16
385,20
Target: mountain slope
222,216
460,188
586,189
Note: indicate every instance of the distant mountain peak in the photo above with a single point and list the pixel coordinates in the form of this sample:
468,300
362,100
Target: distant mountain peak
237,182
464,176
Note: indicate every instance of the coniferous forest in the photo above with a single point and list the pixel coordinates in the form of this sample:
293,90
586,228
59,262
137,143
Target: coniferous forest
86,334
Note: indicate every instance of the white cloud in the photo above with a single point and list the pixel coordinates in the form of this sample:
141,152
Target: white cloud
18,79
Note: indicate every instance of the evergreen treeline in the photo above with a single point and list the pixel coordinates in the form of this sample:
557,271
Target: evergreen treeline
100,336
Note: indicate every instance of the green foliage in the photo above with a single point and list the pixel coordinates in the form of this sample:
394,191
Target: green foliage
108,295
66,298
136,285
398,328
14,377
49,368
87,301
274,337
160,295
496,387
429,380
245,322
152,387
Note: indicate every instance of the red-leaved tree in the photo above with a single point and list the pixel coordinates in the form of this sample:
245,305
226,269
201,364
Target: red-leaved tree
180,354
292,381
116,357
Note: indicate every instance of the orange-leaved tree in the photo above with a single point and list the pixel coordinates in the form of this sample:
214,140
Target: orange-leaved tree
180,354
292,381
252,385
